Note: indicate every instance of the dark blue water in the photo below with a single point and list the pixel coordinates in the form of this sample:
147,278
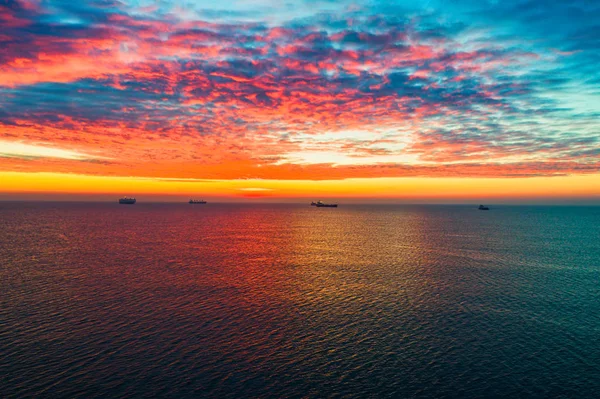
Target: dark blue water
180,301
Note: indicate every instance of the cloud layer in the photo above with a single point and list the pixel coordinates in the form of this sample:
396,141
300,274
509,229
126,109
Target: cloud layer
314,90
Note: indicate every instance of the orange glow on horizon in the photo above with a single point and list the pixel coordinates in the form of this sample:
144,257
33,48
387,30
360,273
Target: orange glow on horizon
575,186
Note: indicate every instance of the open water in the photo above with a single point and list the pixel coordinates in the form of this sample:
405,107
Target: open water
241,301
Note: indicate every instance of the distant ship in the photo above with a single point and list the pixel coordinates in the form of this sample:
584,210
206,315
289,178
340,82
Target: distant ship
127,201
193,201
321,204
483,208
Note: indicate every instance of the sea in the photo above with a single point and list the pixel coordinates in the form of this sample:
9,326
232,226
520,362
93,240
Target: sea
101,300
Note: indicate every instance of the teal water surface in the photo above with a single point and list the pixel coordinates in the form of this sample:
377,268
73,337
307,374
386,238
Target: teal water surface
233,301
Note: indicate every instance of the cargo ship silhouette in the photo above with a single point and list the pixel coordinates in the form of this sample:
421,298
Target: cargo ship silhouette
321,204
127,201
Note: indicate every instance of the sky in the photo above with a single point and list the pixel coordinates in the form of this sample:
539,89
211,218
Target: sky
431,100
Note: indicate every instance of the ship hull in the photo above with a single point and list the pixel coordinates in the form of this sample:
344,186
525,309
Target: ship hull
126,202
321,204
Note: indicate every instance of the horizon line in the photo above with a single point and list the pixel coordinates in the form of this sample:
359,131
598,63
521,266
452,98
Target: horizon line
293,202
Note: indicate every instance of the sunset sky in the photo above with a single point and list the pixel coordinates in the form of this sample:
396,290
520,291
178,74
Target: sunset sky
392,100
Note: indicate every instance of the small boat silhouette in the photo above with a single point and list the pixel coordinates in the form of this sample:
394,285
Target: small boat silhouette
321,204
483,208
127,200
